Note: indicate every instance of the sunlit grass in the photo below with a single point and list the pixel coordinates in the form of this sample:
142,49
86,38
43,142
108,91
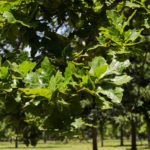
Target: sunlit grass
74,145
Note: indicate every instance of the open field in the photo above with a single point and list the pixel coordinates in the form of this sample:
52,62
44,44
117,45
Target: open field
74,145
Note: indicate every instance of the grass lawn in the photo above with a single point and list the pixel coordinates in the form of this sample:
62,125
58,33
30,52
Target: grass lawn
74,145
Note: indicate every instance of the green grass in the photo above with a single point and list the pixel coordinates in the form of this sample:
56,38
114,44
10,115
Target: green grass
73,145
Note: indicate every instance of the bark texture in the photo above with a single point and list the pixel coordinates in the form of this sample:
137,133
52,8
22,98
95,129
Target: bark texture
133,134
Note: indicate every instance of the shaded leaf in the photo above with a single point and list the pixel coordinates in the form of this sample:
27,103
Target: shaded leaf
11,19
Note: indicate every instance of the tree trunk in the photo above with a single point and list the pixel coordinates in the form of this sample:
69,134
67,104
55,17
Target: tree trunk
16,142
94,136
94,128
148,133
102,135
45,137
10,140
66,140
121,136
102,140
133,134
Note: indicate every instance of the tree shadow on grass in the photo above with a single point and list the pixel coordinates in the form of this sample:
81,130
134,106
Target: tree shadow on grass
116,146
144,147
139,146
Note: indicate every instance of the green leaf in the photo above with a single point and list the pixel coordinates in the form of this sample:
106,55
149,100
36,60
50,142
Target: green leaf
113,34
62,102
3,72
87,82
96,63
84,80
114,18
14,67
128,21
69,71
3,2
101,70
61,85
116,67
78,123
147,23
33,80
37,92
132,35
119,80
18,97
97,46
116,51
5,86
91,84
58,77
0,61
47,70
92,92
98,6
11,19
9,16
103,103
26,67
114,93
120,6
52,85
14,83
106,105
46,67
132,5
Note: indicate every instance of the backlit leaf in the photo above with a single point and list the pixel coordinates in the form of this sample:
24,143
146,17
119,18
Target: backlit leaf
114,93
96,63
37,92
119,80
3,72
26,67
